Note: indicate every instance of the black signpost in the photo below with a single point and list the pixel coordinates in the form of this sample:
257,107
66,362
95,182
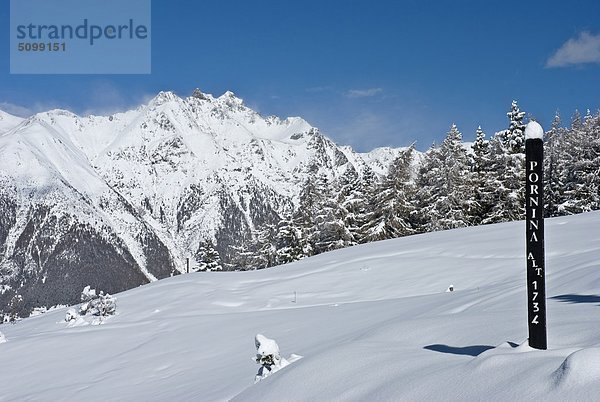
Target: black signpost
534,211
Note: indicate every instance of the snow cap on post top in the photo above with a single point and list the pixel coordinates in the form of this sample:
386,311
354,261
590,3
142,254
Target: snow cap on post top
534,131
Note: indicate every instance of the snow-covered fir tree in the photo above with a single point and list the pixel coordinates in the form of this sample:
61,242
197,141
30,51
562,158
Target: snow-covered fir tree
357,202
444,185
208,258
553,165
304,216
482,179
392,215
514,137
264,247
329,230
576,121
287,242
508,170
580,176
508,178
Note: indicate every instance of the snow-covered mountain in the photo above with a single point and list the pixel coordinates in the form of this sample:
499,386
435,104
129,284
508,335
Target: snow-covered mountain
372,322
8,121
117,201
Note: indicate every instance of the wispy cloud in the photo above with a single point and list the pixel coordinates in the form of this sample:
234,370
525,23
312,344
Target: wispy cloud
582,49
318,89
103,98
363,93
106,98
16,110
27,110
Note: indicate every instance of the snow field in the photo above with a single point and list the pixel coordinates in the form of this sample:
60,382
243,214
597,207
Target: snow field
373,322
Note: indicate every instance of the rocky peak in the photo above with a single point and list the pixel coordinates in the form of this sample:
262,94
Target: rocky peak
162,98
198,94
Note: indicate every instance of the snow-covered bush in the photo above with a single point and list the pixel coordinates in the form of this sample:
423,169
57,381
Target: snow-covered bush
267,355
104,305
2,338
71,315
94,304
101,304
88,294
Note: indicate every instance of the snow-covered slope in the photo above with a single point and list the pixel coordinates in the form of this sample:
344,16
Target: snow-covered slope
372,322
8,121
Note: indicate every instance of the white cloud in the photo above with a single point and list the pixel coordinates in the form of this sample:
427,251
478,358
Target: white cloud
318,89
580,50
363,93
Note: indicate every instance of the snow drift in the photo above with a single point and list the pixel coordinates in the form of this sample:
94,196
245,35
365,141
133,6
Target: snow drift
373,322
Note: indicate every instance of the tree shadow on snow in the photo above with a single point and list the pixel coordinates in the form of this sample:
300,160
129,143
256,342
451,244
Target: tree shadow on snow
572,298
474,350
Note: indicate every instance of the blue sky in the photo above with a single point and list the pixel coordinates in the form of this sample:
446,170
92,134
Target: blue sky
368,73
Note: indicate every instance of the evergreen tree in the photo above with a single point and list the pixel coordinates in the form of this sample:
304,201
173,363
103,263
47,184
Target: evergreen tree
429,181
265,246
392,215
508,179
287,242
508,170
329,231
320,218
208,257
593,172
444,185
553,167
358,202
515,135
304,217
482,179
576,121
580,176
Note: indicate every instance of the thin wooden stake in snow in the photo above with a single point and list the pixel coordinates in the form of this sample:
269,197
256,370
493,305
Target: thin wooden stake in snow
534,219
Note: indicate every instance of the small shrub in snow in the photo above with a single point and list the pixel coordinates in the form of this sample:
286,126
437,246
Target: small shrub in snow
267,355
88,294
99,305
104,305
71,315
